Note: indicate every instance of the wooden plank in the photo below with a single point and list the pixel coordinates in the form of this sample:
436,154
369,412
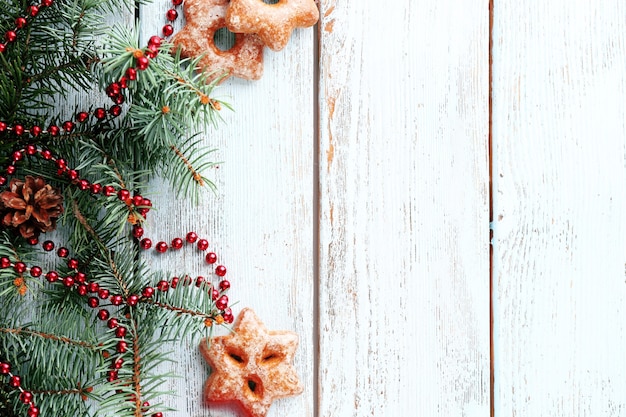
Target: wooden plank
260,221
559,227
404,222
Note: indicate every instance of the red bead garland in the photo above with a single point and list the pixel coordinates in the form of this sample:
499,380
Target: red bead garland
78,280
15,381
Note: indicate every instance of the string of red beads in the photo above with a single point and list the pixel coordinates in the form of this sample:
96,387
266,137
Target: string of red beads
15,381
20,22
79,279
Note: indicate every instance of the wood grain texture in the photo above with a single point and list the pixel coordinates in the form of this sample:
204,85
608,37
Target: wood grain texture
404,216
559,228
260,220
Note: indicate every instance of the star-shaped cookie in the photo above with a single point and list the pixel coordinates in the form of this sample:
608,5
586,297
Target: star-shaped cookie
252,366
272,22
205,17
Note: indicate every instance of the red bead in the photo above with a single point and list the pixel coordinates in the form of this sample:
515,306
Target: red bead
161,247
199,281
112,323
177,2
68,281
192,237
3,126
20,22
35,130
18,130
120,332
26,397
68,126
54,130
3,47
228,315
82,116
83,184
123,83
32,241
5,368
131,73
109,190
115,110
72,174
171,15
146,202
177,243
117,364
214,294
168,30
145,243
96,188
137,200
80,277
93,302
31,149
137,231
220,270
5,262
157,415
187,280
112,90
100,113
82,290
16,156
103,314
93,287
111,376
103,293
33,10
142,63
148,292
123,194
15,381
48,245
72,263
203,244
10,36
52,276
20,267
116,300
155,40
224,285
32,411
174,282
3,180
222,302
36,271
46,154
132,300
63,252
163,285
46,3
122,346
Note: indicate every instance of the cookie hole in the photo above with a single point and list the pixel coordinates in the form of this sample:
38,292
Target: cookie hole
272,358
224,39
251,385
255,386
271,1
236,358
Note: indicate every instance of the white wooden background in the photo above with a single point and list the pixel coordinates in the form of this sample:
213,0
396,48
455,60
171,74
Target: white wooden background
361,177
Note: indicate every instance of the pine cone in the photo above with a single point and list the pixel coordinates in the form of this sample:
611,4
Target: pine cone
32,206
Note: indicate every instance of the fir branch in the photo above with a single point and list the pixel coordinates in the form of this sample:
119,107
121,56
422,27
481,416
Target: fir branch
194,174
48,336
